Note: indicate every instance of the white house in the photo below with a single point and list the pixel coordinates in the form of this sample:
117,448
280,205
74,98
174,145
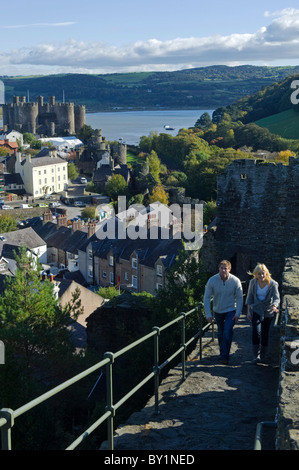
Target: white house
45,173
24,237
12,136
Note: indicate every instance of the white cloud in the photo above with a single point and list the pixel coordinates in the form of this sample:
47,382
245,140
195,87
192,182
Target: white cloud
33,25
277,41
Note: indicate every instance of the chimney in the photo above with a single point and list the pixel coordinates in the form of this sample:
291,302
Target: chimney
47,216
61,220
91,229
76,225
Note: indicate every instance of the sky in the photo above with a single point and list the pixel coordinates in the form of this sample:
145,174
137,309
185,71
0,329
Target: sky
97,36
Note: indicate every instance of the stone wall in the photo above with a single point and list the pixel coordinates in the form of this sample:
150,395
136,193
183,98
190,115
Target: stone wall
288,403
258,215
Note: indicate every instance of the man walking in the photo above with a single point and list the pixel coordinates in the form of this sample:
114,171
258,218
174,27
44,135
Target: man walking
225,290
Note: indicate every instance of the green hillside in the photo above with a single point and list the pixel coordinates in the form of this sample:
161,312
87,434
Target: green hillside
198,88
285,124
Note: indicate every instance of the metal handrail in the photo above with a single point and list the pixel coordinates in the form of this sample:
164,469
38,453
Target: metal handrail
8,416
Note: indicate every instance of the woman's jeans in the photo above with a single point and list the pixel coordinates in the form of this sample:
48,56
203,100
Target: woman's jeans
225,324
260,330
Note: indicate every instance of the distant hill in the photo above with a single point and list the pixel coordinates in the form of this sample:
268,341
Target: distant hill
202,88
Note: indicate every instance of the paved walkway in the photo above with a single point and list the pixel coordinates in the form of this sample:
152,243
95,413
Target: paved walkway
217,407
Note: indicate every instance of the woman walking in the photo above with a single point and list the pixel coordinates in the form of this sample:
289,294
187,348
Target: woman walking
262,303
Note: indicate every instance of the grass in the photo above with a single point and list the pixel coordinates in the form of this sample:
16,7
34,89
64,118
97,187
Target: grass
285,124
133,158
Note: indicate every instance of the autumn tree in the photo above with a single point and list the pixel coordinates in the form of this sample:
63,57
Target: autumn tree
158,194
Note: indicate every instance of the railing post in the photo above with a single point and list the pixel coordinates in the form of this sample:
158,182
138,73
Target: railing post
109,407
156,366
183,340
7,414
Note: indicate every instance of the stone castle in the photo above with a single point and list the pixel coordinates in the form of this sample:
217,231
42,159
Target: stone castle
43,118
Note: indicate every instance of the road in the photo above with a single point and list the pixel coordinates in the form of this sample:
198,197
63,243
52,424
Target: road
71,211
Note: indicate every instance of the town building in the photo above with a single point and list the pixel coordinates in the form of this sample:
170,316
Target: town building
44,173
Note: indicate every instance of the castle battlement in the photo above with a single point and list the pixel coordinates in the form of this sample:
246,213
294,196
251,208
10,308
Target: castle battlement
44,118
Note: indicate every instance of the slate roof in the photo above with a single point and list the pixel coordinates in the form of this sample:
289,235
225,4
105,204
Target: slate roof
27,237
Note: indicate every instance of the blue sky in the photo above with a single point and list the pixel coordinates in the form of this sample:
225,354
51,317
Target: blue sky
96,36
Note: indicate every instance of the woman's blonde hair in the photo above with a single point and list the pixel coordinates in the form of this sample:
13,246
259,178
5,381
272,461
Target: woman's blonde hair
262,267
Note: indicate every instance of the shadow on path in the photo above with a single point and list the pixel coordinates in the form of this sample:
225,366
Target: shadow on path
217,407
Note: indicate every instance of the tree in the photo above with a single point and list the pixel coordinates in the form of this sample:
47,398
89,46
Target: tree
32,324
116,186
72,171
205,121
85,133
154,165
7,223
158,194
89,212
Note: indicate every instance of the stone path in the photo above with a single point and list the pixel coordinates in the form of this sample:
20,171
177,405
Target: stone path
217,407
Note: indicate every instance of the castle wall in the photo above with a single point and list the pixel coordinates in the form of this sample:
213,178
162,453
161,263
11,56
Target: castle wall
45,118
287,434
258,215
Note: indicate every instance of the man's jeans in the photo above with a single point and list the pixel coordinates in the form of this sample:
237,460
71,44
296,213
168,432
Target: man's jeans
225,325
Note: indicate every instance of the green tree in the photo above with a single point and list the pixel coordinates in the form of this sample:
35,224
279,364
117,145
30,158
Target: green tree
154,165
32,324
89,212
7,223
116,186
108,292
72,171
205,121
85,133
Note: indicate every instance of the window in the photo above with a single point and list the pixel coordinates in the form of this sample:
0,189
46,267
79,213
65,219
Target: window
89,254
134,263
111,261
45,172
159,270
158,286
90,271
104,274
111,278
134,282
126,276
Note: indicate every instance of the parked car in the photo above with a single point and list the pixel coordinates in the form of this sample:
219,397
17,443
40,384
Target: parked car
80,204
5,208
54,204
83,180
